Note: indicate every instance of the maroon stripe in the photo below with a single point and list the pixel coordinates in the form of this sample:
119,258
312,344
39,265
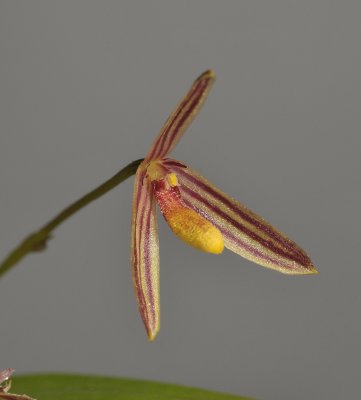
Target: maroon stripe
230,236
254,251
253,221
145,215
159,145
136,247
173,163
290,256
140,295
140,179
183,120
158,150
182,106
146,261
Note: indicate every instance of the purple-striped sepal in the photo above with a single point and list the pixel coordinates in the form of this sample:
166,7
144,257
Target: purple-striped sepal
244,232
145,253
181,118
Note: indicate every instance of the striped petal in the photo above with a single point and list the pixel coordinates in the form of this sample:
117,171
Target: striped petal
244,232
181,118
145,253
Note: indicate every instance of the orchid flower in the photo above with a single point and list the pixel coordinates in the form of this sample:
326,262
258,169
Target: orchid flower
197,212
5,385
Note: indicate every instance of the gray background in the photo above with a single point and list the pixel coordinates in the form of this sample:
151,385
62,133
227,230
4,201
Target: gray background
84,87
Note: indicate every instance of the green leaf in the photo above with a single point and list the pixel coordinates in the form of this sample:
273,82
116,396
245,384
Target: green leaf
82,387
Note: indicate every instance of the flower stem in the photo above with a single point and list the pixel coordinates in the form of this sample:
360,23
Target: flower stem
37,241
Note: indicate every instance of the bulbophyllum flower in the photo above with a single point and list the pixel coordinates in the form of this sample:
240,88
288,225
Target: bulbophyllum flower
197,212
5,385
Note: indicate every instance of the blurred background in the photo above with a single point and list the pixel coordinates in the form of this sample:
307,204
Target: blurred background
85,87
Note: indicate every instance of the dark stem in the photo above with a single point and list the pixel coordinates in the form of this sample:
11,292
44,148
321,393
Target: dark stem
37,241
